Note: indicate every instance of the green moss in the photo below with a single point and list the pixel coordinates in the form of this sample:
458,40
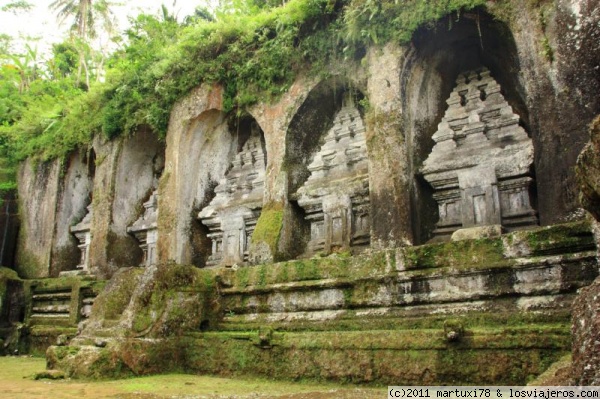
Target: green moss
490,356
5,275
486,253
562,238
179,298
333,266
268,227
111,303
123,251
28,265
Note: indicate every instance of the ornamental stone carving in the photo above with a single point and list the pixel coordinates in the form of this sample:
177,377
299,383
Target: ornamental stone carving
145,230
335,197
480,165
232,214
81,231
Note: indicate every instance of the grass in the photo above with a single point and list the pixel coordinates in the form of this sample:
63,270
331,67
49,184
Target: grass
17,383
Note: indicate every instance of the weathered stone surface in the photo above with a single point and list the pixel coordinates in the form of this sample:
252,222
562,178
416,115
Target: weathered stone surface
588,172
390,177
586,313
84,237
145,230
103,191
545,58
565,79
38,192
198,141
232,215
473,233
479,167
335,197
139,166
586,330
73,198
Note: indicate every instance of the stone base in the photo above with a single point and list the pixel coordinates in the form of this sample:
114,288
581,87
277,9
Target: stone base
473,233
73,273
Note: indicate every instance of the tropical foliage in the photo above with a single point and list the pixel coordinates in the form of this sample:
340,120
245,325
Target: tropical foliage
254,48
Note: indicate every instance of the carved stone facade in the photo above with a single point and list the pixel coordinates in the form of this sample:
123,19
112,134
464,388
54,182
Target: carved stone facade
480,166
232,215
81,231
145,230
335,197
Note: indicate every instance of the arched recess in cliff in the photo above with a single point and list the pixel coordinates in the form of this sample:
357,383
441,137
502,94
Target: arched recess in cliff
74,196
139,165
304,137
437,55
205,153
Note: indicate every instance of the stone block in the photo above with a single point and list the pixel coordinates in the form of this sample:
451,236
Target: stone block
473,233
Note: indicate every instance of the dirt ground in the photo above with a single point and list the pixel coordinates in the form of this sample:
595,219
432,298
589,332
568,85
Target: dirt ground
17,382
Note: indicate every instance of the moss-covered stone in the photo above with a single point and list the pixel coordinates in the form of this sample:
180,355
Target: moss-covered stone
404,357
457,254
111,303
588,171
265,239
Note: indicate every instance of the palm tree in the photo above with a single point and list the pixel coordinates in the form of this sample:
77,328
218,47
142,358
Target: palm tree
84,14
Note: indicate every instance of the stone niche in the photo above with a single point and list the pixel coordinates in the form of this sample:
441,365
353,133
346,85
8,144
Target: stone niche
81,231
335,197
480,167
145,230
232,214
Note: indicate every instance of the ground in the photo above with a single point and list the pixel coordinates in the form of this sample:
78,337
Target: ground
17,382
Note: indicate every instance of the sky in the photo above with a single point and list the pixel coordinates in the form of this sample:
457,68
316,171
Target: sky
41,21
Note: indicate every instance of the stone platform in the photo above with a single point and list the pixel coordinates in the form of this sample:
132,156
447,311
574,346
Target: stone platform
486,311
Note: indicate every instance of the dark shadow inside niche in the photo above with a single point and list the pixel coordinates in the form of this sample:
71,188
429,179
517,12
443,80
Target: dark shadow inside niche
204,325
201,242
438,55
13,309
90,159
296,230
312,120
243,127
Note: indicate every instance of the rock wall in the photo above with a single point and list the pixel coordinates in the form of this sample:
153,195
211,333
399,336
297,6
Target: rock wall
38,192
586,328
199,147
73,198
543,57
114,177
9,228
139,166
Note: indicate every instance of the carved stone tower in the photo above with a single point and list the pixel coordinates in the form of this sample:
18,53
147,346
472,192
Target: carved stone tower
81,231
145,230
480,165
335,197
232,215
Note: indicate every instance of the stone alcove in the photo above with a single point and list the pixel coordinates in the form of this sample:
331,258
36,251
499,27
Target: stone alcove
437,56
72,238
237,200
200,162
328,180
133,223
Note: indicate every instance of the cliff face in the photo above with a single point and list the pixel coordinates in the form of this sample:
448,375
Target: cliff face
588,171
544,58
348,166
586,328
